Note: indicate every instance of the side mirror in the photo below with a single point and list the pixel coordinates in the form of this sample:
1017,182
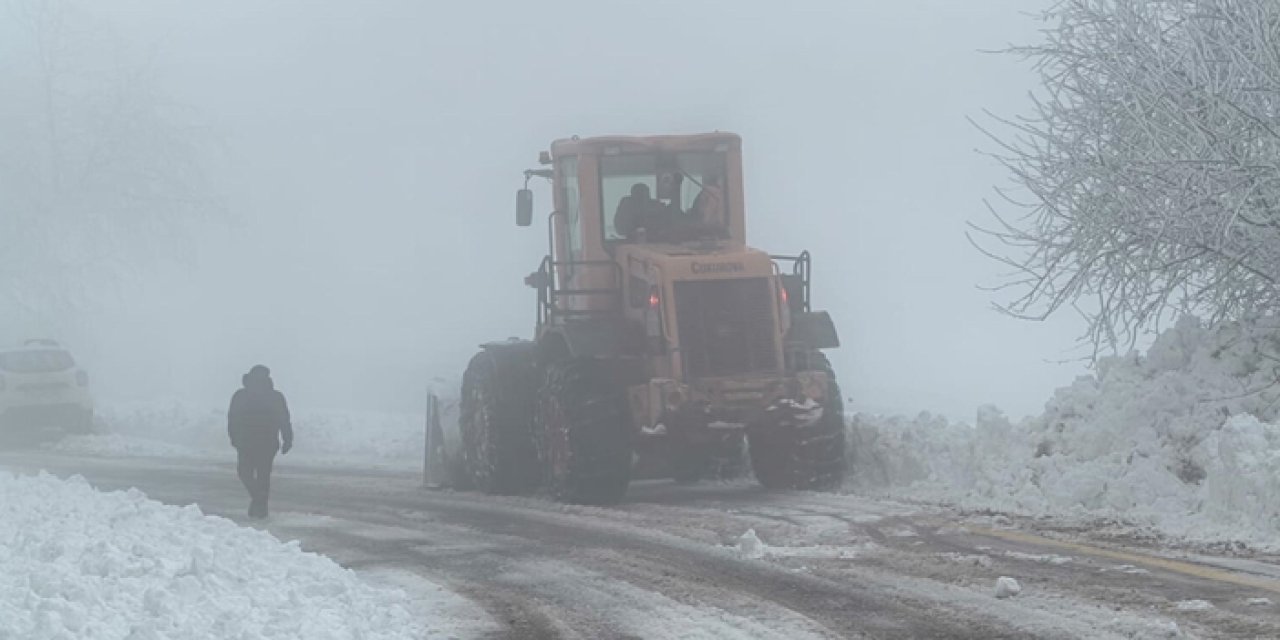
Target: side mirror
524,207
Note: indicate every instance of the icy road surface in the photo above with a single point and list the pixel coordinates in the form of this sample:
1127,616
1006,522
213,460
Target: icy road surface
727,560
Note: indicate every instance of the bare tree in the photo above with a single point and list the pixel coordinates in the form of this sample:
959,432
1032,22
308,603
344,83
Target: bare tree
1147,180
98,171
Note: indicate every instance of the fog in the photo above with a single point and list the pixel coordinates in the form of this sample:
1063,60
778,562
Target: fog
360,163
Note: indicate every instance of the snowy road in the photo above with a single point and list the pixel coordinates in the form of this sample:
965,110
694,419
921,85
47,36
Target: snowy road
726,560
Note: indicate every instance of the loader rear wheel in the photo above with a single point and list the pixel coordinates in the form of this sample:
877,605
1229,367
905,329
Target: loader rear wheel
497,436
584,441
792,449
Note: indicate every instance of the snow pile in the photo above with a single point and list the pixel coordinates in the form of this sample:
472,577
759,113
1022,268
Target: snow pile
78,563
1183,439
1007,587
751,546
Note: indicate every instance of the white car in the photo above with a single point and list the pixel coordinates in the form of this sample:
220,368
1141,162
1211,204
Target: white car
42,388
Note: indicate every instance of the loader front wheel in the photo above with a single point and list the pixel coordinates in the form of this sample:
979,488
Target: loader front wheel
801,447
583,434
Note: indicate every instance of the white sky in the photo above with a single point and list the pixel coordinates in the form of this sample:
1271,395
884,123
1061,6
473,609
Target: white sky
369,154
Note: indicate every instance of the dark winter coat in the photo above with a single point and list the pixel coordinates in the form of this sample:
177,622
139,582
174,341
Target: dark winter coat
642,212
259,417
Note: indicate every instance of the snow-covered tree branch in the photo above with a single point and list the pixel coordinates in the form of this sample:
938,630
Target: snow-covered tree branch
1147,178
99,171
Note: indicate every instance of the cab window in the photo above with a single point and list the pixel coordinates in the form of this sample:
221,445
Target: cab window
572,208
618,175
685,192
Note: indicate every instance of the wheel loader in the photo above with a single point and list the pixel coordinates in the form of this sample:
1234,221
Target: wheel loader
662,345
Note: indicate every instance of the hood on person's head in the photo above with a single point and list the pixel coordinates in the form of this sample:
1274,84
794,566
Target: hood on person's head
258,378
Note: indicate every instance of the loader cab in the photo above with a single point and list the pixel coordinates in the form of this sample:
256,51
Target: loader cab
617,190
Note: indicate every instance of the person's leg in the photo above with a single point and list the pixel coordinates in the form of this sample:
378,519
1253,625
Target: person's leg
245,469
264,480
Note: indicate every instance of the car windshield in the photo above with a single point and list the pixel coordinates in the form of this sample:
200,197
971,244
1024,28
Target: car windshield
686,190
43,361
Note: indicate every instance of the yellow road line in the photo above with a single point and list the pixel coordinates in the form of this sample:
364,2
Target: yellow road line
1167,564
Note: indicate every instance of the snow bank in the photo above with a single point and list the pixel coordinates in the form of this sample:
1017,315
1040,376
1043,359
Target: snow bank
114,444
77,563
1183,439
176,429
166,421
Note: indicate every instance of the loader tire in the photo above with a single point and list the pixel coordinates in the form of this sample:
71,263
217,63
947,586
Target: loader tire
790,450
583,433
497,454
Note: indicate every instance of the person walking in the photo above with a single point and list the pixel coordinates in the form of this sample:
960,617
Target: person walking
259,427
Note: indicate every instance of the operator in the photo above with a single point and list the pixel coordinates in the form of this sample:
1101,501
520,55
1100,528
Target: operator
708,207
706,218
640,211
257,420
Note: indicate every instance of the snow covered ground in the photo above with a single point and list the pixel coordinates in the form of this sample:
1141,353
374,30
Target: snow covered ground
79,563
1183,441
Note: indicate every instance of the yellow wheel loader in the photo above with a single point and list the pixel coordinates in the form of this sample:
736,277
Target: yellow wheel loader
663,344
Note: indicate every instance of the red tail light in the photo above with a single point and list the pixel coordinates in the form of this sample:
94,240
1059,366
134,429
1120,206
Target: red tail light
786,297
82,378
653,320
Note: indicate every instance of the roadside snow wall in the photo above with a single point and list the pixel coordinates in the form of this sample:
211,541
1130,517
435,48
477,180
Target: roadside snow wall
1183,440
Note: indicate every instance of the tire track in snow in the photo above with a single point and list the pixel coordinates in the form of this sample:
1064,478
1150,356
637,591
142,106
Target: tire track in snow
1192,569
